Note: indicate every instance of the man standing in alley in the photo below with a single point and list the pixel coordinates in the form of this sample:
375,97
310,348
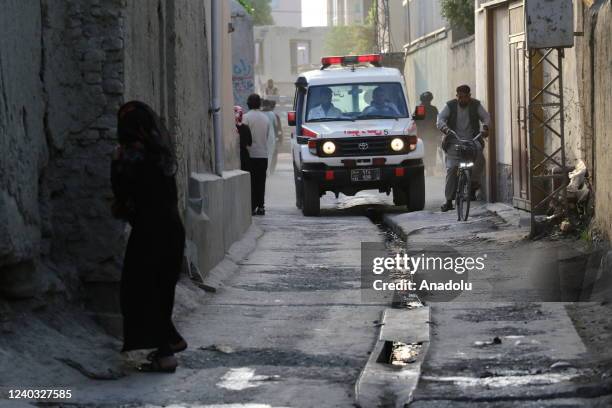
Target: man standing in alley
462,117
271,91
259,124
429,133
267,107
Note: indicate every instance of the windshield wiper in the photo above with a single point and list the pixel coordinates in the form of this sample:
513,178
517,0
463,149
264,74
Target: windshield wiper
370,116
330,120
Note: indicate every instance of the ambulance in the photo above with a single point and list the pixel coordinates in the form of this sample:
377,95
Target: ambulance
353,130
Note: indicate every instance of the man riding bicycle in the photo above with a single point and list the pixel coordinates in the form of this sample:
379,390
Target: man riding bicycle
461,119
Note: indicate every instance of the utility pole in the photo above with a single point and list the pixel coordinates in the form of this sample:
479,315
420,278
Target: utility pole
216,33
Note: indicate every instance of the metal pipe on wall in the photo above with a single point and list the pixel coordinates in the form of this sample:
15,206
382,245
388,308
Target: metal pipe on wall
216,17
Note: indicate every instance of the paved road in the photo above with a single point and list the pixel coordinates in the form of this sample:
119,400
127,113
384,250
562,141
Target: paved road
289,328
511,340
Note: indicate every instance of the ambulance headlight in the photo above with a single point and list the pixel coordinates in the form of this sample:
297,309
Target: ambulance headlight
397,144
328,147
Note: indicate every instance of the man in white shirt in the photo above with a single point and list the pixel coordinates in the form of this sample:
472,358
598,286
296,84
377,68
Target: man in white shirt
267,107
326,109
259,124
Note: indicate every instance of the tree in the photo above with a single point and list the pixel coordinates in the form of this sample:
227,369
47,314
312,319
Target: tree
351,40
459,13
260,10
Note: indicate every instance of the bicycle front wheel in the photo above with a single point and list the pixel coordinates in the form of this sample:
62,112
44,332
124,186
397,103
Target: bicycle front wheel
463,195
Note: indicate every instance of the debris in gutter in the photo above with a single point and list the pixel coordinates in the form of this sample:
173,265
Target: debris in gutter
403,354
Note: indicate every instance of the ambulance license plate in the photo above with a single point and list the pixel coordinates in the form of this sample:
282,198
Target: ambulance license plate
365,174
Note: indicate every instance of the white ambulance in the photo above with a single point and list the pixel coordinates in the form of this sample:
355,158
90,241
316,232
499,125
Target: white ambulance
353,131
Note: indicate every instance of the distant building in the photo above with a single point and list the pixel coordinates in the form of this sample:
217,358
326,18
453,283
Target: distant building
347,12
283,52
287,13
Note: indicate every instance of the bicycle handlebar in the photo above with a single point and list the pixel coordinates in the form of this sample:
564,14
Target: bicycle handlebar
445,141
456,136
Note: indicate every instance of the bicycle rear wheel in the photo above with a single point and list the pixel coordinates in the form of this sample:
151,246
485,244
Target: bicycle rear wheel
463,195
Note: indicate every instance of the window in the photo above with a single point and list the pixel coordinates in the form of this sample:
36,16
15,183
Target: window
356,102
300,55
259,67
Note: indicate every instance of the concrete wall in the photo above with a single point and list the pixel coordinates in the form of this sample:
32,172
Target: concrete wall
439,66
587,89
601,68
22,138
276,54
65,68
427,70
243,55
59,67
177,34
171,34
461,63
218,214
287,13
573,79
230,141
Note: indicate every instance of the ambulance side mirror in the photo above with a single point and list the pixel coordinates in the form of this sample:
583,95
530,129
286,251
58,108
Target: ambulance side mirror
419,113
291,118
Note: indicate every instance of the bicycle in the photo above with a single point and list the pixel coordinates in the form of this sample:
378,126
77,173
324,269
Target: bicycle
467,151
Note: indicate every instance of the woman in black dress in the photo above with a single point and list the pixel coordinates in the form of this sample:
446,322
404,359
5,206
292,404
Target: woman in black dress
246,139
143,180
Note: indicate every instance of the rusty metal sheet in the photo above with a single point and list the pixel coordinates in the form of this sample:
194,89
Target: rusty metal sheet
549,23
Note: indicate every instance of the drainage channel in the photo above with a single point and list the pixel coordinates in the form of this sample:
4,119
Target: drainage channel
396,353
395,244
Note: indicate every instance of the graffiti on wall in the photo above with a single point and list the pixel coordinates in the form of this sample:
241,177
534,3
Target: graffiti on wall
243,81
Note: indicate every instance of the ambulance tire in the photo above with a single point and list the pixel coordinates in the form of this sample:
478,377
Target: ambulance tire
416,192
311,200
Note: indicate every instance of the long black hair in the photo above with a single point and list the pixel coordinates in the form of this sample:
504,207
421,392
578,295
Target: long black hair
138,122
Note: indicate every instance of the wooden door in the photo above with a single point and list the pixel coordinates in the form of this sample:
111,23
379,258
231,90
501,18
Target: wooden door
519,81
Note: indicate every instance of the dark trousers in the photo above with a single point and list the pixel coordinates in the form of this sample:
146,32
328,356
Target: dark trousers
244,159
258,168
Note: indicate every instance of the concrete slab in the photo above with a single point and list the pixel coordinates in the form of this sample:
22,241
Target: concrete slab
219,212
381,384
395,327
236,254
